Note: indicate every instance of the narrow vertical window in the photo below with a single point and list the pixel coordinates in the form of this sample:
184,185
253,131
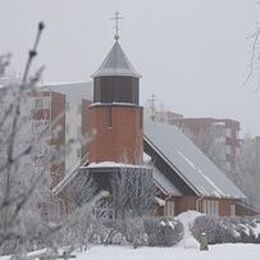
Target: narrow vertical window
141,119
232,210
109,116
216,209
169,210
204,207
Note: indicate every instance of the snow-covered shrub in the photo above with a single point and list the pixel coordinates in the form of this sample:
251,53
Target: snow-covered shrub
227,230
135,232
210,226
116,224
163,231
131,229
109,232
91,232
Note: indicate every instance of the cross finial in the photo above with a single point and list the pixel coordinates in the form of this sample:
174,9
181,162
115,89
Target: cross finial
117,17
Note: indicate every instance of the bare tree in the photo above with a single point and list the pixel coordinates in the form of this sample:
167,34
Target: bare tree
245,177
25,161
254,57
132,192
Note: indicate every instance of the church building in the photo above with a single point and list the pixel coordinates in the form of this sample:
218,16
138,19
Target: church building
184,178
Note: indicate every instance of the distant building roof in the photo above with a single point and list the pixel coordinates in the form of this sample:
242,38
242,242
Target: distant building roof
188,162
116,64
74,91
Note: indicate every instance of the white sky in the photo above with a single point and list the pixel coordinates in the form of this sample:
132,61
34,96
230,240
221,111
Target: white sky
193,55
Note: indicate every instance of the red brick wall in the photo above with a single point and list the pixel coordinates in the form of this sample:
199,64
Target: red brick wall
123,141
185,203
225,207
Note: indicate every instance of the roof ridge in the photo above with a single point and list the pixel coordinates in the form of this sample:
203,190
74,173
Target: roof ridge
116,63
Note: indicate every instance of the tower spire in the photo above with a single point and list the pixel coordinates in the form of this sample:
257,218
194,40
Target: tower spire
116,18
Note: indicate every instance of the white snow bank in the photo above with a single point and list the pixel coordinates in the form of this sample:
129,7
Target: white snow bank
256,230
187,218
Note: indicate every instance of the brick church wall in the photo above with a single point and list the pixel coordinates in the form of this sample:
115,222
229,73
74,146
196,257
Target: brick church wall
119,134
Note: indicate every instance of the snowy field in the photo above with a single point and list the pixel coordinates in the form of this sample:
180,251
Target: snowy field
216,252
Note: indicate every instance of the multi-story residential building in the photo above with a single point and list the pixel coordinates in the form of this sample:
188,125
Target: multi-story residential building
47,108
78,98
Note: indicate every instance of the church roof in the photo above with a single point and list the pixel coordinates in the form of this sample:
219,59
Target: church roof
116,64
188,162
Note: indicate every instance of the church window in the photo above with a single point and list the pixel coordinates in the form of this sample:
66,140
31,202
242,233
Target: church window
211,207
169,208
141,119
232,210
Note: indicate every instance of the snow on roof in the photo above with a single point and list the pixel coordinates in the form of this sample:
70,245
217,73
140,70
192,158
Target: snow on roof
74,91
65,181
70,176
185,158
73,174
109,164
160,201
147,158
116,64
164,184
113,104
63,83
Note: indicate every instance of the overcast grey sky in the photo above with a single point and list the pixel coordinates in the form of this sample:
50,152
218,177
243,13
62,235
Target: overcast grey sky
192,54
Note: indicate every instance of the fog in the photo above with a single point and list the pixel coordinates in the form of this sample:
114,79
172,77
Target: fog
193,55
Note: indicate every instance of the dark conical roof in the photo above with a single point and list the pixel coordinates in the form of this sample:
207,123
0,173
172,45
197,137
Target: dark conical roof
116,64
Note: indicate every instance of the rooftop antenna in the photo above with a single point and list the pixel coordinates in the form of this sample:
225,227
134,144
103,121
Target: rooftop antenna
116,18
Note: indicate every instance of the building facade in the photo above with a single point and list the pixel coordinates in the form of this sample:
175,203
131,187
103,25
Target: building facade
47,109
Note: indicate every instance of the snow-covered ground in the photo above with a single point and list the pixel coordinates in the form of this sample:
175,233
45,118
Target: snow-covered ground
216,252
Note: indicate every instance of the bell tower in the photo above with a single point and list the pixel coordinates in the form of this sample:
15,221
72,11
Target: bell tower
115,114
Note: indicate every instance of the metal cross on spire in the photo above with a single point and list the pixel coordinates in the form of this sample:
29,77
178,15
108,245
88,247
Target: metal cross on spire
117,17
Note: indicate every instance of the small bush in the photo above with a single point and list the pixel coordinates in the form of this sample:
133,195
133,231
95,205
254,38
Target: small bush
163,231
